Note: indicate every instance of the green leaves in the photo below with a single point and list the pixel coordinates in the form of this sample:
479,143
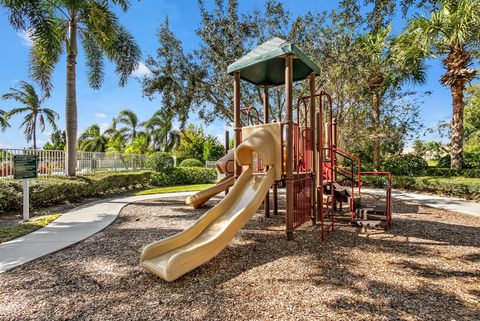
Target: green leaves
92,140
4,120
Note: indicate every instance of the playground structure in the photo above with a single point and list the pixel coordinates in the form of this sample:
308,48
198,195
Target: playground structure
300,151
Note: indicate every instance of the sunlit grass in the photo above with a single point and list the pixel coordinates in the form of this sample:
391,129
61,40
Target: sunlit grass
173,189
11,232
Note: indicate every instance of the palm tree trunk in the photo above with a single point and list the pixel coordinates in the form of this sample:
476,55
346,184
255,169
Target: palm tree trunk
71,116
376,129
34,132
457,124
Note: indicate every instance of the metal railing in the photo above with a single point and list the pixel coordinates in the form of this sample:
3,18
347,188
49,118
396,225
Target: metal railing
52,162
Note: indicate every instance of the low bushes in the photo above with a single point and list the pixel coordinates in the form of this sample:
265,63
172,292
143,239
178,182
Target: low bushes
468,188
191,162
160,162
47,191
184,176
405,164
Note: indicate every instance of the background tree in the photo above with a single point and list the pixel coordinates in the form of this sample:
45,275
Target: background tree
160,128
92,140
174,75
140,145
452,31
58,141
114,131
195,143
131,122
32,106
55,28
385,64
3,120
472,119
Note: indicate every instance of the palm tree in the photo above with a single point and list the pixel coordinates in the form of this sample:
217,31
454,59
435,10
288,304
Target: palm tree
130,120
32,105
140,145
92,140
113,131
386,64
55,28
160,128
451,32
3,120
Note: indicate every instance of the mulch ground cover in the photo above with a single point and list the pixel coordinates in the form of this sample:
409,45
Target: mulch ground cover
427,267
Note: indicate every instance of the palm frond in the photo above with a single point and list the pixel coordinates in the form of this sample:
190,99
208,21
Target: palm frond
48,38
4,120
94,61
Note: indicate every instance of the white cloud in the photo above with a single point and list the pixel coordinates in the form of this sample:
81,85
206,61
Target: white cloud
141,70
100,115
26,37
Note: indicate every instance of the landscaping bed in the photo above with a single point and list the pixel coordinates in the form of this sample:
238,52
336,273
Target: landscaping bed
52,190
427,267
466,188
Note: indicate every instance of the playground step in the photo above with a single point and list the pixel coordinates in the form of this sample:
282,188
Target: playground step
369,223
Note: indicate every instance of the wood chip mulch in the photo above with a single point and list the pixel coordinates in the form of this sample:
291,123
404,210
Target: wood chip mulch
427,267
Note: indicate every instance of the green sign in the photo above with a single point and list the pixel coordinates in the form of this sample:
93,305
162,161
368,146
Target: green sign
24,166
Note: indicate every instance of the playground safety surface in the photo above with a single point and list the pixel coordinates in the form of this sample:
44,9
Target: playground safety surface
427,267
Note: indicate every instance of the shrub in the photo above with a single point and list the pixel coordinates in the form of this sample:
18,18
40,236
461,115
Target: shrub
445,172
470,161
471,173
405,164
47,191
160,162
185,176
458,187
191,162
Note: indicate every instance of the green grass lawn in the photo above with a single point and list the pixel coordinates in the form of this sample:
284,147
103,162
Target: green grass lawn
11,232
173,189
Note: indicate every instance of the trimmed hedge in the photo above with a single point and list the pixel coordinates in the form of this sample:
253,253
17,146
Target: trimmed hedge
47,191
467,188
191,162
184,176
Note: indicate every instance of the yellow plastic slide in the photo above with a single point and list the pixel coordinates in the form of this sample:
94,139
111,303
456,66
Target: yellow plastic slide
199,199
224,166
174,256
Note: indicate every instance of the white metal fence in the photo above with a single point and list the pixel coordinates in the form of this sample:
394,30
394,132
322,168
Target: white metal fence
52,162
211,164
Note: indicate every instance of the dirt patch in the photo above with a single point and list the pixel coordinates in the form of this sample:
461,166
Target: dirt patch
427,267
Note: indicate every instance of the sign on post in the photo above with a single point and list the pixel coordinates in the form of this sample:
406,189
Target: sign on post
25,167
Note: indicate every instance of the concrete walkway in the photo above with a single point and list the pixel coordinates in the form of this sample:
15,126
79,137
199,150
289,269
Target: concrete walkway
70,228
447,203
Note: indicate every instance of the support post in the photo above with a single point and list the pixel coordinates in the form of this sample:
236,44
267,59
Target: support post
265,121
227,141
289,145
26,200
311,81
237,124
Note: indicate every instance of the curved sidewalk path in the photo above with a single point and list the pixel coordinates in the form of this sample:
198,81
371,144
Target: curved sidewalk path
446,203
70,228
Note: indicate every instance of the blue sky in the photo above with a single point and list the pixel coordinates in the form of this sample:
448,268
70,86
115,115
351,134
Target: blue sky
142,20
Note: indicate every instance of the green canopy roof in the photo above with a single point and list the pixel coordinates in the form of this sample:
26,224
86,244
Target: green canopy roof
265,65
